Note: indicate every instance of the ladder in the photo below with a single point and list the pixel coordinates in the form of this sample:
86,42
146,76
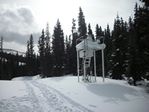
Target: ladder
87,62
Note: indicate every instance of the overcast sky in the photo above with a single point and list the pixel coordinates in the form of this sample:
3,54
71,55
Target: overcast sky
20,18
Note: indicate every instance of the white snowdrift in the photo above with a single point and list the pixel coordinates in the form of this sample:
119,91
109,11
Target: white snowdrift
65,94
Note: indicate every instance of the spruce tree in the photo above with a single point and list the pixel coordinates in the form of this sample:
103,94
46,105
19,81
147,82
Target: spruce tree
99,32
30,46
47,40
41,46
133,63
58,49
99,36
108,50
119,41
73,57
82,30
30,55
48,55
68,55
138,66
90,32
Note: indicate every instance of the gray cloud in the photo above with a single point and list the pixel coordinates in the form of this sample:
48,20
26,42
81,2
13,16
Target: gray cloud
26,15
17,24
19,38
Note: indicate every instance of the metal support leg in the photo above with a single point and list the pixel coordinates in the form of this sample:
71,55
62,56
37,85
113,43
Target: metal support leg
103,71
78,65
95,65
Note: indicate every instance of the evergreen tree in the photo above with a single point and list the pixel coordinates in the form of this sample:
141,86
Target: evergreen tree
68,55
82,30
120,48
133,62
30,55
41,46
138,63
28,49
48,55
99,37
47,40
143,33
30,46
108,50
58,49
73,55
99,32
90,32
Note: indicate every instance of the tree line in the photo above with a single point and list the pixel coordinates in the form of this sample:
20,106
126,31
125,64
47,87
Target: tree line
126,53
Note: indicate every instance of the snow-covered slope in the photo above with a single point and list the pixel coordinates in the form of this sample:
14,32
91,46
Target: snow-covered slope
65,94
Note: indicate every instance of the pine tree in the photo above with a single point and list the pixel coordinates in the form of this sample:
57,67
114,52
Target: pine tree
68,55
133,64
119,39
47,41
73,54
138,66
99,37
143,34
124,49
30,55
99,32
90,32
81,24
48,55
58,49
41,46
108,50
30,46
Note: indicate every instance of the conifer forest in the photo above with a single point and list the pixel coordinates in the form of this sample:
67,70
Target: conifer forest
126,52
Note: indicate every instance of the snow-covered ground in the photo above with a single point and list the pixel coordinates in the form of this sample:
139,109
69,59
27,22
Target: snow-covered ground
65,94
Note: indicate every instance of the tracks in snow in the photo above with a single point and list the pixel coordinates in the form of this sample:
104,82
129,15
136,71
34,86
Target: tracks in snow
41,98
57,101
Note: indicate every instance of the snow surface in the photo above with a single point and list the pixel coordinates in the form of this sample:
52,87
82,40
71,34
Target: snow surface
65,94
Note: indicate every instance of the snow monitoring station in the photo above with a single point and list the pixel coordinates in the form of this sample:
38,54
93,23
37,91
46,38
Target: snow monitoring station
86,51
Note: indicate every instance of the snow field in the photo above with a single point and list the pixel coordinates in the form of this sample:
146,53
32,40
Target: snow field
65,94
112,95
